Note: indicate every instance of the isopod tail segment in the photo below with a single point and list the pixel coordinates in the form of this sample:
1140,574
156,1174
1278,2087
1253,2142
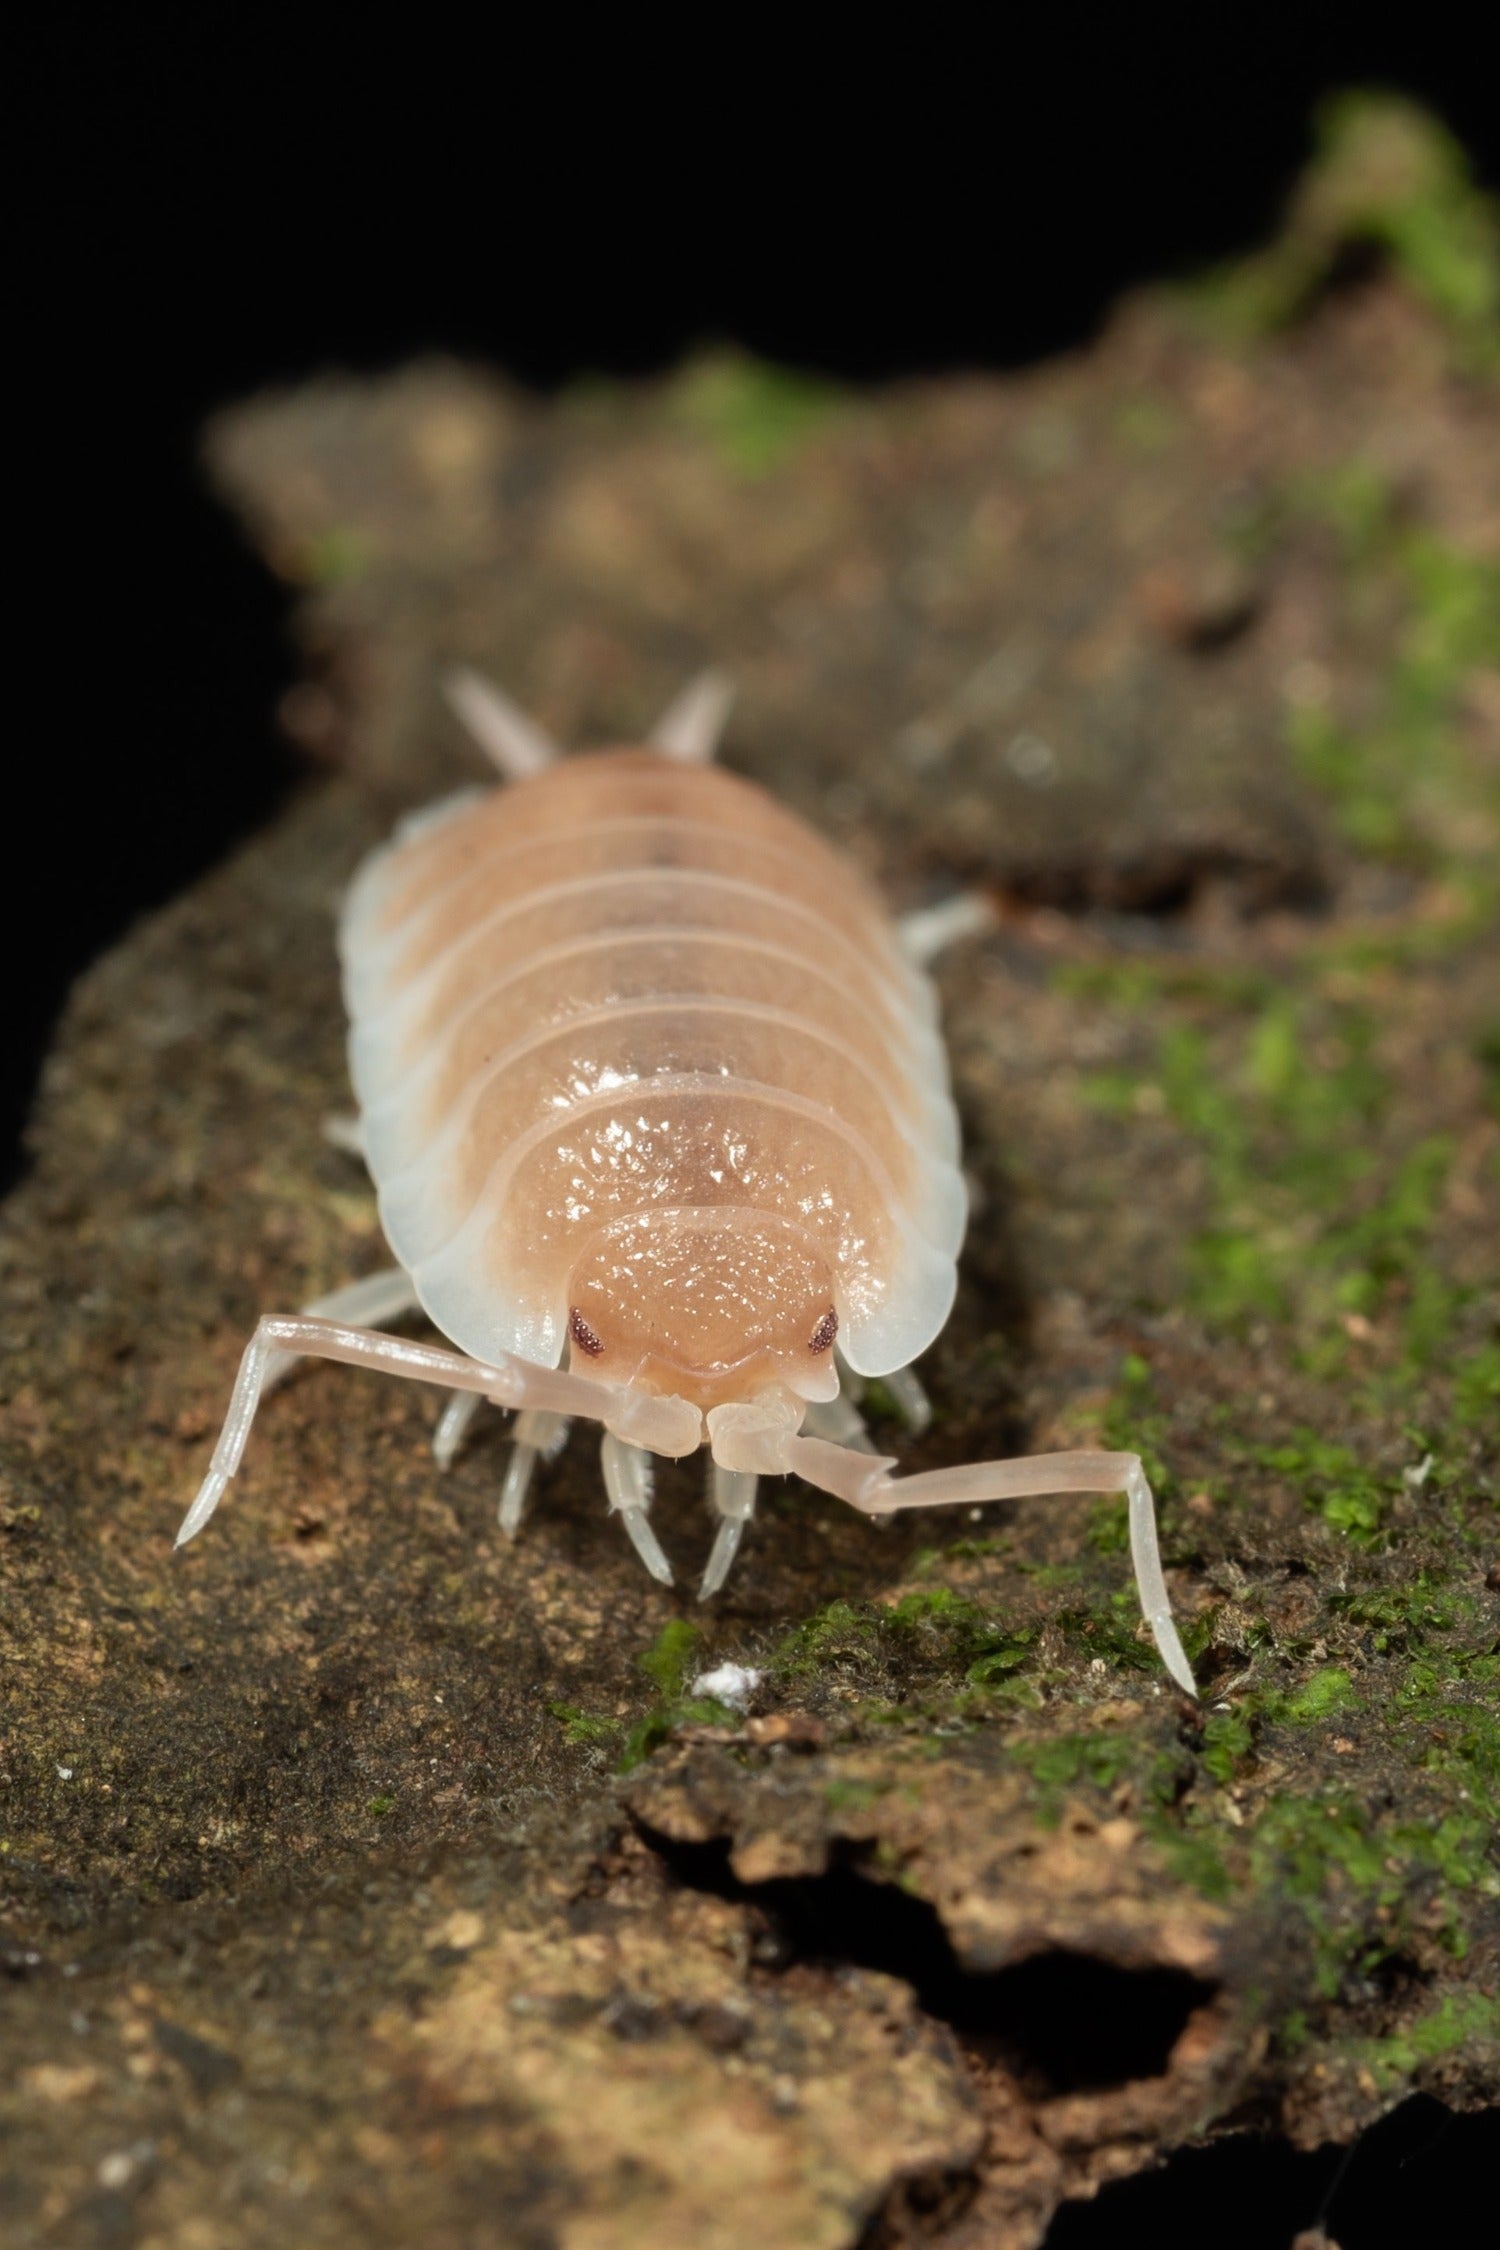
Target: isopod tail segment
760,1438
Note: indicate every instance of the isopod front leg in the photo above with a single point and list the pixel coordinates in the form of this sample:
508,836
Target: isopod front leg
537,1437
454,1424
870,1487
909,1398
731,1495
507,1382
367,1303
627,1480
903,1386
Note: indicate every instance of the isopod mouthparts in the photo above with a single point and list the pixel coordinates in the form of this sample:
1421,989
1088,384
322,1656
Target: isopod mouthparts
650,1084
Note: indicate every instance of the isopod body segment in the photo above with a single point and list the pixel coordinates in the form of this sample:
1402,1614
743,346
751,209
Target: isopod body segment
653,1096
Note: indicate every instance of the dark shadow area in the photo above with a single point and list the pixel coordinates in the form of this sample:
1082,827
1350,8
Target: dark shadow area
1407,2181
1170,884
203,215
1061,2022
150,760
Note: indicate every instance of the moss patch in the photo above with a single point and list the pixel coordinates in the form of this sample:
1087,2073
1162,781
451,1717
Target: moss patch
1385,175
755,415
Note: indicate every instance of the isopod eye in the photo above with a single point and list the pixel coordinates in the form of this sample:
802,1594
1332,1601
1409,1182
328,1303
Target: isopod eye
823,1335
582,1335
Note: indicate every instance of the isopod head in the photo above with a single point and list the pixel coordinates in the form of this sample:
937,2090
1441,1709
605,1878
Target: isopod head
711,1305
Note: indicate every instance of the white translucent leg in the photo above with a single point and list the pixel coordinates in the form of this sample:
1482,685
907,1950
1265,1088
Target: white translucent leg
731,1495
538,1437
501,728
453,1427
932,929
690,727
627,1480
870,1487
840,1421
851,1386
346,1133
507,1382
367,1303
909,1398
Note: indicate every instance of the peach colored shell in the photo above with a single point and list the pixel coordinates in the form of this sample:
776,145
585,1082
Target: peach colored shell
650,1083
644,1072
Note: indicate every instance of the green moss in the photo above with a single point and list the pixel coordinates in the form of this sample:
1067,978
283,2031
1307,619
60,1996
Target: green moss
1399,1618
1194,1855
1069,1762
1328,1691
1049,1575
380,1806
670,1658
1000,1660
658,1725
1130,986
939,1605
847,1793
1402,782
1387,175
1147,424
1100,1760
580,1729
335,557
1227,1737
1487,1055
1401,779
1108,1527
1132,1422
1313,1216
950,1659
926,1560
1476,1388
837,1630
668,1664
1458,2018
1110,1629
756,416
1332,1482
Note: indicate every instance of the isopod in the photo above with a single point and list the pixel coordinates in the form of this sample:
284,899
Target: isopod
657,1111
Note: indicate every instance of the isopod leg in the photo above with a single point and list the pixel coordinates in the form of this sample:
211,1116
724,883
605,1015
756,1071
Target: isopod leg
538,1437
453,1427
366,1303
904,1388
690,727
840,1421
732,1497
909,1398
511,1382
932,929
872,1489
501,728
346,1133
627,1480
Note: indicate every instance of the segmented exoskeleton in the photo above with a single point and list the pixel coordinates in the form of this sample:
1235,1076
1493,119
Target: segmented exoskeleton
656,1107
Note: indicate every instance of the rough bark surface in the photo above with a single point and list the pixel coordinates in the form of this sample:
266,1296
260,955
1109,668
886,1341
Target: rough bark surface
368,1879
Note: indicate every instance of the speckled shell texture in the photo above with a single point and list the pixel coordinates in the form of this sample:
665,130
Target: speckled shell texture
628,985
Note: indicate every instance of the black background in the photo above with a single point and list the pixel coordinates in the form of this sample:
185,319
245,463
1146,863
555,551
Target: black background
208,205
